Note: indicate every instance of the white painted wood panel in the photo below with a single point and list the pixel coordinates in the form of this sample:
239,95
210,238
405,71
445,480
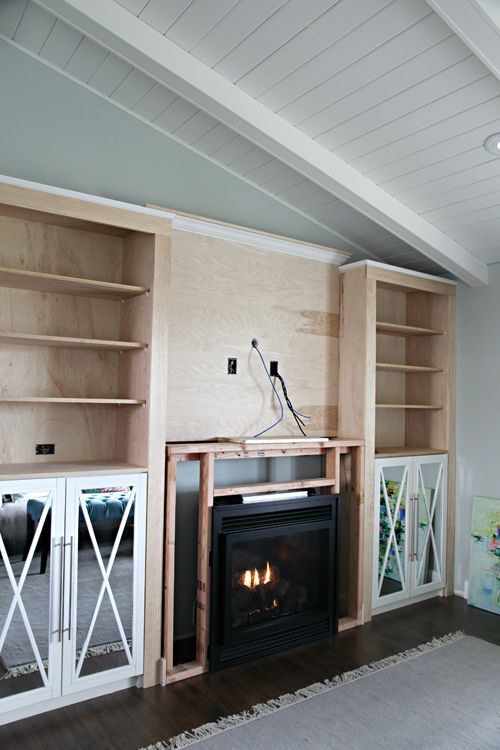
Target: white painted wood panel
350,103
444,108
175,115
215,139
133,88
267,172
437,171
238,23
364,36
278,29
233,150
134,6
198,18
280,63
11,12
197,125
464,208
154,102
469,219
161,14
434,134
110,74
480,172
430,90
445,151
34,27
61,44
461,194
251,161
284,181
86,59
315,199
323,211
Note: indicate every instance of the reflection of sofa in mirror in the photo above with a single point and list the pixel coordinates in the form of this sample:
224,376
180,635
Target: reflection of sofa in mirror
105,509
13,519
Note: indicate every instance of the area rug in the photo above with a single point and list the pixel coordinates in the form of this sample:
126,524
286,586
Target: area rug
442,695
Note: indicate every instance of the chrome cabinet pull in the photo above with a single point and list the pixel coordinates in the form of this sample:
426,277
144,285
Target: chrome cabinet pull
62,583
415,529
70,618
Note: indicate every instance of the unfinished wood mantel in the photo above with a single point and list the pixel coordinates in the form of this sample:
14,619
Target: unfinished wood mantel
207,454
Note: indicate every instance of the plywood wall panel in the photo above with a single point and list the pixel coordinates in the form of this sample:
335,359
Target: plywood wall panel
224,294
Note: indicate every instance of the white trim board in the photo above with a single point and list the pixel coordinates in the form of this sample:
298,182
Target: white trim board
474,21
196,225
110,24
388,267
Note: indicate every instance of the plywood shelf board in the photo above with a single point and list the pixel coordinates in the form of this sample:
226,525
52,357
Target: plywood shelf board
398,329
299,484
67,469
67,400
46,282
408,406
391,367
389,452
35,339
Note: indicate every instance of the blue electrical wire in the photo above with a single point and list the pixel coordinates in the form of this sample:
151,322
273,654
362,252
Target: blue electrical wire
275,391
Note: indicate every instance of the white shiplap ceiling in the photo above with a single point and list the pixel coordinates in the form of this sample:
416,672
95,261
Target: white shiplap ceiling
385,94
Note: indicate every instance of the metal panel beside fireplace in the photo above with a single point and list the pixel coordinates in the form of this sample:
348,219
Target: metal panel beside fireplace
274,576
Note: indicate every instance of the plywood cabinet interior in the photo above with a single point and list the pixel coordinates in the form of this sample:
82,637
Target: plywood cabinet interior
396,374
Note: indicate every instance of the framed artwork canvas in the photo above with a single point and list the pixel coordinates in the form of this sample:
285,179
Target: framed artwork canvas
484,564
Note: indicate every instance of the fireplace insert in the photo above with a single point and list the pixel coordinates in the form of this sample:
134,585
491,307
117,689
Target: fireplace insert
274,576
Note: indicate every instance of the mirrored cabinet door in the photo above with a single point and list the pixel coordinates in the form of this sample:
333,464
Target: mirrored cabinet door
429,523
105,555
31,544
391,531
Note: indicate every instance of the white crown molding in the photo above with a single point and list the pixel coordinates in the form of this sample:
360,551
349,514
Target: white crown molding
270,242
197,225
388,267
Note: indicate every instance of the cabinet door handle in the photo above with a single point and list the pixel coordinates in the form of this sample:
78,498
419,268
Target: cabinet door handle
62,583
415,528
71,585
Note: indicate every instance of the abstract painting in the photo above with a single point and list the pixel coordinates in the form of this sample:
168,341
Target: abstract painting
484,564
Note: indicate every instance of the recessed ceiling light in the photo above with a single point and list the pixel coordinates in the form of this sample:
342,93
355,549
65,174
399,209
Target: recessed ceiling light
492,144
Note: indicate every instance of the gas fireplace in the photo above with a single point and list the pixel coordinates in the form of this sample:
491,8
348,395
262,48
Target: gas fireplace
274,576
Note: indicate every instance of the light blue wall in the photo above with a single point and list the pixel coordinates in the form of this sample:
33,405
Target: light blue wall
56,132
478,406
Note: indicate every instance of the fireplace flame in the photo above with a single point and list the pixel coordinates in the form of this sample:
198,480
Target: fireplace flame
254,579
267,577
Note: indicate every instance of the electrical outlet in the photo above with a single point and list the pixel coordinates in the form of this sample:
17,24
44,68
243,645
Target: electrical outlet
45,449
232,364
273,368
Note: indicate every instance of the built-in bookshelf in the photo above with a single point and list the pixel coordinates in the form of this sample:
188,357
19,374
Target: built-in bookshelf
77,285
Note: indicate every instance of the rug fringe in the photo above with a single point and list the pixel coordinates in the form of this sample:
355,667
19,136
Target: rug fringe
24,669
211,729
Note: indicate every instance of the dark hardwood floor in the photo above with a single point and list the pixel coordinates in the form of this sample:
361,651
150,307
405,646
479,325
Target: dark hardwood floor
130,719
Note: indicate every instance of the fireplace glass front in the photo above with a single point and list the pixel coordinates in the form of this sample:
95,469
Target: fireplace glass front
274,576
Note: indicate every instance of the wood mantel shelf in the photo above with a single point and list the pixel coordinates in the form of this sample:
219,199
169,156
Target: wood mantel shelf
209,452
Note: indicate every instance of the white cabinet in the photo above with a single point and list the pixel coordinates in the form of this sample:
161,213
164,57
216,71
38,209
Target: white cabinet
71,589
409,529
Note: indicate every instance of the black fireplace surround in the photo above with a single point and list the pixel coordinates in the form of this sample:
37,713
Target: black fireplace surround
274,580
